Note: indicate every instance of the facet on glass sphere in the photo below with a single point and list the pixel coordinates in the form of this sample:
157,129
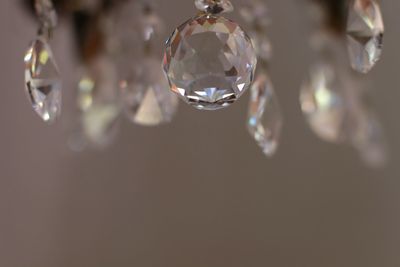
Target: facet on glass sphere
214,6
322,103
265,119
365,31
147,98
42,80
210,62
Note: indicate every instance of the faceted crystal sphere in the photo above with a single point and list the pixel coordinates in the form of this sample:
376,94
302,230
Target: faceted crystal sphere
210,62
364,34
147,99
265,117
42,81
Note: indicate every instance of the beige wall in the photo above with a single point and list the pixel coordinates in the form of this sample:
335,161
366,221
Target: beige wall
197,192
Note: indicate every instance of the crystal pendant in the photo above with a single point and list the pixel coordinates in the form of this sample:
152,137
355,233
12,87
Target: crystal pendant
98,101
265,118
42,80
364,34
147,99
210,62
322,103
214,6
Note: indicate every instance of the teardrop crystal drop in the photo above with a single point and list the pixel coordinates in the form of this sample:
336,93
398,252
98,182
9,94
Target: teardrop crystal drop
214,6
210,62
322,103
365,31
147,98
42,80
265,119
99,103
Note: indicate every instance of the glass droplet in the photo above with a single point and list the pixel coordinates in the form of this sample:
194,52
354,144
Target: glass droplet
365,31
210,62
322,103
147,98
42,80
265,117
99,102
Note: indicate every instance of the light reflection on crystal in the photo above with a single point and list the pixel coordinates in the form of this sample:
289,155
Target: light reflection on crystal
210,62
365,31
322,103
265,118
42,81
147,98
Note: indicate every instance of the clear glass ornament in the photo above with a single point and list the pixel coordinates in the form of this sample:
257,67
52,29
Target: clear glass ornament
365,31
42,80
265,118
209,61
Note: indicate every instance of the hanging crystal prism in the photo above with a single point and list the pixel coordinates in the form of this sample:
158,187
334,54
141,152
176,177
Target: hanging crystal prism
322,103
147,98
209,61
265,118
365,31
42,80
98,101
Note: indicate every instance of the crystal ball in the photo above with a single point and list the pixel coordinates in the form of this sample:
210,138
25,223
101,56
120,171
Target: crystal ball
209,62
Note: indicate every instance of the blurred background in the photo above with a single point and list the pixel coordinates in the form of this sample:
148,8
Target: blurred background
198,191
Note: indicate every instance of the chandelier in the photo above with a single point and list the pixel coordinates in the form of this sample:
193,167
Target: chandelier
209,62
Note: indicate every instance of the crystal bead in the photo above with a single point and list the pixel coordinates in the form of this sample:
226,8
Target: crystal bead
265,118
46,13
214,6
210,62
365,31
147,99
42,80
322,103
